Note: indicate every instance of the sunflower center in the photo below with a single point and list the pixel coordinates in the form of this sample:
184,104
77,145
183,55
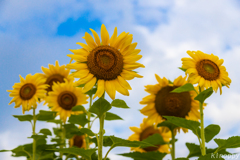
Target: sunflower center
145,134
67,100
105,62
172,104
208,69
54,78
27,91
78,141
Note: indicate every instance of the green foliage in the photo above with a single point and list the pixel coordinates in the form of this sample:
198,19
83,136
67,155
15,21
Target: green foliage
78,108
87,131
155,139
56,121
86,153
210,156
91,92
46,115
210,131
181,158
204,95
71,130
168,124
184,70
111,116
100,106
22,118
156,155
185,88
231,142
78,119
119,103
45,131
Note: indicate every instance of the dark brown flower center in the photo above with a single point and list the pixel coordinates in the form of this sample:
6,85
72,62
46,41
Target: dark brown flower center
172,104
145,134
78,141
54,78
208,69
27,91
67,100
105,62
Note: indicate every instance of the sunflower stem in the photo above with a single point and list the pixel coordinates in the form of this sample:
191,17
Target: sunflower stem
89,125
62,138
202,130
173,145
100,139
34,133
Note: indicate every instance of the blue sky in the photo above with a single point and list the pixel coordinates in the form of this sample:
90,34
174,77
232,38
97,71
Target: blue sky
37,33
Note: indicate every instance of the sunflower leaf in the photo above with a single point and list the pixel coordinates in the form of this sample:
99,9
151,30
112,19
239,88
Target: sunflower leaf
119,142
211,156
45,131
26,117
210,131
168,124
87,131
91,92
100,106
78,119
184,70
231,142
155,139
46,115
155,155
111,116
181,158
78,108
182,122
202,96
185,88
119,103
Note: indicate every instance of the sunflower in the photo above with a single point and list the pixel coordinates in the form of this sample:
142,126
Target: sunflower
206,70
64,97
147,129
108,63
55,74
28,91
78,141
161,102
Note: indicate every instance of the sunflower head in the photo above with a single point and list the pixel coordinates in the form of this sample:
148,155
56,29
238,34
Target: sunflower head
64,97
161,102
78,141
55,74
206,70
147,129
28,91
108,62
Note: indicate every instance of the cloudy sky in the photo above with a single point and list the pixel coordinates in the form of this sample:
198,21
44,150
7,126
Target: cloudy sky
37,33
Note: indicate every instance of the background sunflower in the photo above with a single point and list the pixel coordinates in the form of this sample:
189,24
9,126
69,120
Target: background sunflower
147,129
206,70
108,63
28,92
78,141
64,97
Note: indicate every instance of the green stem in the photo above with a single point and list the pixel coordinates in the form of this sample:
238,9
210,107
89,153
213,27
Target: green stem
108,152
89,125
173,145
100,139
34,133
62,138
202,130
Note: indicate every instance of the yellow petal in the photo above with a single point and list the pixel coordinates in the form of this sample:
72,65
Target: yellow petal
104,35
110,89
158,79
133,66
135,129
124,83
81,73
89,85
86,47
128,75
100,88
90,40
97,39
114,36
77,66
78,58
119,39
82,51
84,80
131,59
120,88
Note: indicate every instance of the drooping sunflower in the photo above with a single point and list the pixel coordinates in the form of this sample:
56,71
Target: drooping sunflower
55,74
64,97
28,91
206,70
78,141
108,63
147,129
161,102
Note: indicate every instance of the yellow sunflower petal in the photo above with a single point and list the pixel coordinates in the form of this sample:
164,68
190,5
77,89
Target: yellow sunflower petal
97,39
104,35
100,88
90,40
110,89
89,85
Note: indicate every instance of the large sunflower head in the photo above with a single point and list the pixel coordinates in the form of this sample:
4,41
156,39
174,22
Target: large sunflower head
206,70
64,97
28,91
78,141
147,129
161,102
108,62
55,74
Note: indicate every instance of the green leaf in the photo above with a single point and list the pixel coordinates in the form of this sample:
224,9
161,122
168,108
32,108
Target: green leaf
155,139
117,142
71,130
119,103
168,124
86,153
100,106
46,115
91,92
57,121
87,131
81,85
211,131
210,156
185,88
45,131
202,96
26,117
78,119
184,70
181,158
182,122
144,155
78,108
40,139
111,116
231,142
